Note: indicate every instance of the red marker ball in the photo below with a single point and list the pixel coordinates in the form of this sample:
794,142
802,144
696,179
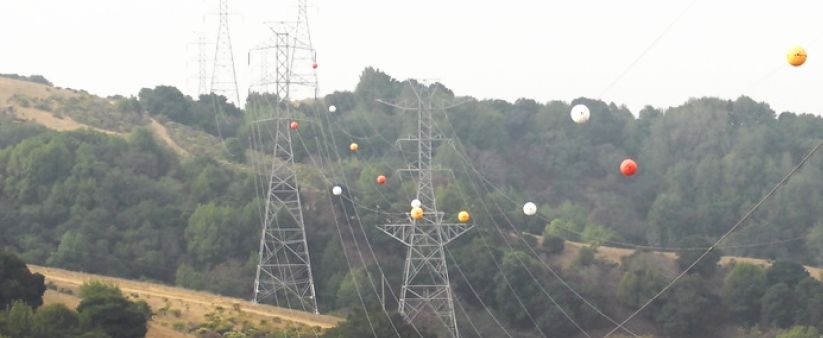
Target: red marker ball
294,125
314,66
628,167
381,179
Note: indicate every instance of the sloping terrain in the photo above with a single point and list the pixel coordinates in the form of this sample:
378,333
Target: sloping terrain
177,309
66,110
615,255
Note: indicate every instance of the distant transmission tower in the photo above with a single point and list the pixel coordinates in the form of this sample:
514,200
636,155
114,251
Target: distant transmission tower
202,65
284,270
426,288
224,76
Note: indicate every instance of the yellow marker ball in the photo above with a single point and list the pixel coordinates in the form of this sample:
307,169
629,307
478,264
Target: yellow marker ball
463,217
796,56
416,213
354,147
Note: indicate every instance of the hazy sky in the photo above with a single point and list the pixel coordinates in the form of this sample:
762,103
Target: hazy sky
545,50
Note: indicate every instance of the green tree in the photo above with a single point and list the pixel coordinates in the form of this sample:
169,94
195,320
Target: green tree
19,320
212,233
18,283
514,273
638,286
596,234
55,321
779,305
687,309
800,332
104,307
563,228
787,272
692,251
359,324
477,261
585,257
356,285
553,244
743,289
809,295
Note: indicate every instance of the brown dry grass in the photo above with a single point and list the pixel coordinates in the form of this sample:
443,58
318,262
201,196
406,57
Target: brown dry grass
161,132
10,87
193,306
616,255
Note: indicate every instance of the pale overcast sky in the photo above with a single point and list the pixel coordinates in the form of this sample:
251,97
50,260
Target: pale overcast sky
545,50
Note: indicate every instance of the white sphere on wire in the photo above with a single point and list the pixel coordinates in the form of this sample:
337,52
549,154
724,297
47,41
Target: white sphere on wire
332,109
580,113
337,190
416,203
529,209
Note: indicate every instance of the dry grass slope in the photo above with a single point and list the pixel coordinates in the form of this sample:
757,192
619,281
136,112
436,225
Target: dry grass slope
177,306
615,255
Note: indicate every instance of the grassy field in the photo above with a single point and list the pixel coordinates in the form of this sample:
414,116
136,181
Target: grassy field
177,310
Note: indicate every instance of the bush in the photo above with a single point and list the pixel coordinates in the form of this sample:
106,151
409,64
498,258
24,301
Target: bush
585,257
800,332
553,244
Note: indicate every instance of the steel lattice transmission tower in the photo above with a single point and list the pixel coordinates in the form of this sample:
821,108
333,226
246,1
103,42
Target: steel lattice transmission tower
224,75
426,287
202,64
284,270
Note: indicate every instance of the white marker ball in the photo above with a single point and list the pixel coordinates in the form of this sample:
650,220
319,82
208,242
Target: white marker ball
529,209
580,113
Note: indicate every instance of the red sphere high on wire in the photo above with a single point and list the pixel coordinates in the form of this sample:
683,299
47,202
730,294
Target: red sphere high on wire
381,180
294,125
628,167
313,66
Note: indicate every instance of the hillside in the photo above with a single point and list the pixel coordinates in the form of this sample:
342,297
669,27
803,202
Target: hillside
167,193
179,309
66,109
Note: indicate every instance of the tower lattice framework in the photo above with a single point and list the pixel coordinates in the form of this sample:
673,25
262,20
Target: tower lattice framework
426,287
284,274
224,75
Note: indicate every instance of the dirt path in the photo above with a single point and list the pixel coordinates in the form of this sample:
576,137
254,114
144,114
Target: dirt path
64,277
163,133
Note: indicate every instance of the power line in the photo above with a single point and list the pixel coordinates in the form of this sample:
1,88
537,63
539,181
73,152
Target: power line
426,286
727,234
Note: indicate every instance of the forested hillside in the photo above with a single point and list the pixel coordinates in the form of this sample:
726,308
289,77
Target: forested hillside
130,207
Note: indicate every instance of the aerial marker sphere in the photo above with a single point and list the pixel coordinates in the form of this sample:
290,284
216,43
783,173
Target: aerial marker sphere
313,66
628,167
381,180
337,190
354,147
463,217
796,56
294,125
416,203
332,109
580,114
417,213
529,209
